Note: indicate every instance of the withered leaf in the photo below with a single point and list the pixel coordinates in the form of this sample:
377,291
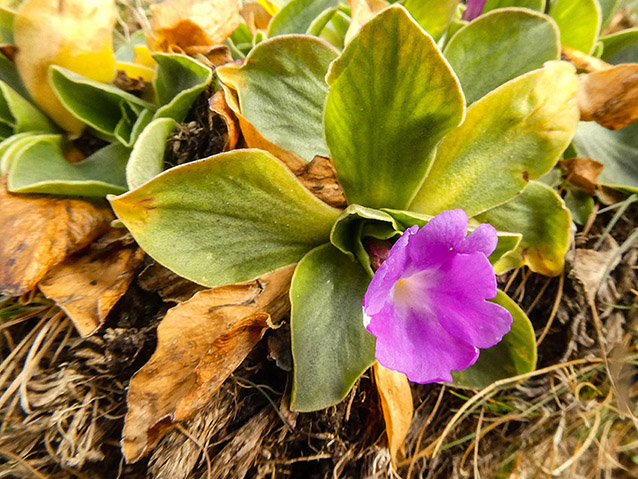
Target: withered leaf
610,97
320,177
199,343
218,105
582,61
40,231
170,286
588,266
216,54
87,285
583,172
396,402
187,23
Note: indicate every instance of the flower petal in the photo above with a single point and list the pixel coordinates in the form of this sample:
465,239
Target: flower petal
388,273
482,240
438,239
418,346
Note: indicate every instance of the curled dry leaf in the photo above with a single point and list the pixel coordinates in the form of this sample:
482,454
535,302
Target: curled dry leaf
610,97
320,177
218,105
582,61
255,16
583,172
589,267
396,402
216,54
74,34
87,285
187,23
254,139
40,231
170,286
199,344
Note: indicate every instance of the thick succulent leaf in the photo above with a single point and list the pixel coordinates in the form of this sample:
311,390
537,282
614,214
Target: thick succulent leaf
507,241
22,115
621,47
434,16
178,82
99,105
499,46
330,346
12,147
392,98
9,74
297,16
227,218
42,168
513,134
579,22
147,157
617,150
282,91
514,355
537,5
540,215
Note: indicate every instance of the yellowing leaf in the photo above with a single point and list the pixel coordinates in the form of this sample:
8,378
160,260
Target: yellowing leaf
40,232
396,402
74,34
199,344
87,286
186,23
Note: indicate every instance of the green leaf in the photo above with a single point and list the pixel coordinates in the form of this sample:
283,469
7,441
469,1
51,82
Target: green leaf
617,150
580,204
331,25
513,134
297,16
621,47
537,5
392,98
7,18
42,168
500,46
178,82
330,346
434,16
227,218
23,116
12,146
99,105
282,91
507,242
579,22
513,356
541,216
147,157
608,8
9,74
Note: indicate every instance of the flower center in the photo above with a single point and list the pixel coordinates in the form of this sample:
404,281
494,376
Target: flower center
413,292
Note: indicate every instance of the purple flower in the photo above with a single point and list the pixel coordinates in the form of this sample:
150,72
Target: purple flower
427,305
474,9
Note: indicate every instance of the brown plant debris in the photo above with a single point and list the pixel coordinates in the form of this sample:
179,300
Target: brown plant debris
610,97
41,231
219,106
582,61
583,172
167,284
320,177
87,286
214,329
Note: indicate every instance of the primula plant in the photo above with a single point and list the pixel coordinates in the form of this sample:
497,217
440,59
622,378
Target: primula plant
390,112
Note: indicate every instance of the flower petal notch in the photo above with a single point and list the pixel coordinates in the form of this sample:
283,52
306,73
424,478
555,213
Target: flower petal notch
427,303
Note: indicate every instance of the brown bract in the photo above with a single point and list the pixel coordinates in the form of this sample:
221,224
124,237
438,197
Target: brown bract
218,105
199,344
87,286
583,172
39,231
396,402
610,97
187,23
320,177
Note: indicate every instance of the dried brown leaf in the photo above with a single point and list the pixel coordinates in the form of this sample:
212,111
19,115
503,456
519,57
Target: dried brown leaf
217,55
40,231
320,177
588,266
199,343
169,285
396,402
610,97
583,172
187,23
218,105
582,61
255,16
87,285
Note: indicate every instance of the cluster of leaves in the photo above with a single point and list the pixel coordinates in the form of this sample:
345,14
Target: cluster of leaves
360,120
